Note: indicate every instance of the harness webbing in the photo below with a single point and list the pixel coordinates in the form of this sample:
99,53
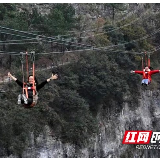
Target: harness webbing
27,64
25,87
26,91
22,61
33,69
147,60
142,64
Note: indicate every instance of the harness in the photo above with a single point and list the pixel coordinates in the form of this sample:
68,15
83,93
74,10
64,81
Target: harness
145,61
25,85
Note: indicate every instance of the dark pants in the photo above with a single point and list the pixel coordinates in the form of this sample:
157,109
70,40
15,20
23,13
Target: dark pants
29,100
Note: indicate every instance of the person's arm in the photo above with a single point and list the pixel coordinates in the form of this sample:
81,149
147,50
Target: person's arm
154,71
15,79
46,81
52,77
138,72
10,76
132,71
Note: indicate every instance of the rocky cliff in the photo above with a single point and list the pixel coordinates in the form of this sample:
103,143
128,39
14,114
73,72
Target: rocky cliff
145,115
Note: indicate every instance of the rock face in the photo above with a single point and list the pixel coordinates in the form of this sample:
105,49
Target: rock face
108,142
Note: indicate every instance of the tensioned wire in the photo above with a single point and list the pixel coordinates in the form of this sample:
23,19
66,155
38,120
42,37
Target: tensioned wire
89,45
107,47
68,42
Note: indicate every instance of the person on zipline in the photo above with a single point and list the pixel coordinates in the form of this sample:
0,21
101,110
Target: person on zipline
147,73
22,98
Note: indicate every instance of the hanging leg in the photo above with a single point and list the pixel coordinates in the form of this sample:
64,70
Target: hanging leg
30,101
25,99
143,82
19,99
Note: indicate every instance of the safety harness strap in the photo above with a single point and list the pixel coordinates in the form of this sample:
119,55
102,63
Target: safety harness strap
147,60
25,87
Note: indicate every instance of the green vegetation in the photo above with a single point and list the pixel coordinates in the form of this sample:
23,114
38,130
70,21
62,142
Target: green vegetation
97,81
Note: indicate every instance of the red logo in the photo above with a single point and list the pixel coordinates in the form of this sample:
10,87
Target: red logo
137,137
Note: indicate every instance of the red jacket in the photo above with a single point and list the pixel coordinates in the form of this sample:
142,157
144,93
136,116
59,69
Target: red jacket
147,75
